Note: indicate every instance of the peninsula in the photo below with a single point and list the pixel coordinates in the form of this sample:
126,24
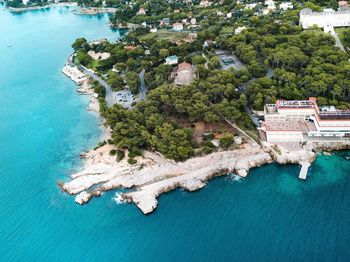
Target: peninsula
18,6
205,90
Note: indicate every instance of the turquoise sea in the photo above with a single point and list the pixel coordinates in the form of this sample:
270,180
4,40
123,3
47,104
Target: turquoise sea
270,216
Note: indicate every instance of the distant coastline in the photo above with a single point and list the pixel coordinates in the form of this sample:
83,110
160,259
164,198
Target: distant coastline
29,8
94,10
32,8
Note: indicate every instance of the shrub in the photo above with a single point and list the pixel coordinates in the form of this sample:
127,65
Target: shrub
208,144
226,141
207,150
208,136
134,152
132,161
120,155
113,152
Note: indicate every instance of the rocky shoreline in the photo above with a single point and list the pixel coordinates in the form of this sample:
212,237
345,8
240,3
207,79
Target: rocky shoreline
30,8
94,10
155,175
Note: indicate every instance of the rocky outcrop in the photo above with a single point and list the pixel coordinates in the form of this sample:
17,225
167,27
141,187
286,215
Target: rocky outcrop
154,175
331,146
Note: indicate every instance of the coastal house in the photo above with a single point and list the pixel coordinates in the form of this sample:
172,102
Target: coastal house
208,43
229,15
250,6
326,19
98,55
193,21
25,2
205,3
184,74
265,11
343,5
286,5
129,47
178,27
302,120
164,22
74,73
270,5
141,11
171,60
153,30
191,37
239,29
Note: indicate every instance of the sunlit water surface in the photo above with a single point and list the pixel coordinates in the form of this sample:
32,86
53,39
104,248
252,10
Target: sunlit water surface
270,216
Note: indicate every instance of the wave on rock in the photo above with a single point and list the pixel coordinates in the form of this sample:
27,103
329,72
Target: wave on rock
234,178
118,198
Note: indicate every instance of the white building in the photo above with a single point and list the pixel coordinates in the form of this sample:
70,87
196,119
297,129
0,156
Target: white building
270,5
141,11
326,19
205,3
296,121
240,29
250,6
265,11
286,5
178,27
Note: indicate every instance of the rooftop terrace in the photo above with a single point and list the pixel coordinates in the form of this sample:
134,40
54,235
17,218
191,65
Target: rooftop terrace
303,126
295,104
335,115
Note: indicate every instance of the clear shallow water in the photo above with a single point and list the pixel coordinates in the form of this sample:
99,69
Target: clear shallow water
270,216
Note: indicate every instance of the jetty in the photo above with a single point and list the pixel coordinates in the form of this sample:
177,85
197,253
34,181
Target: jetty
303,171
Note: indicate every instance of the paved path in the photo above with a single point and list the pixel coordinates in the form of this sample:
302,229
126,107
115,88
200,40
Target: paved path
110,97
338,43
243,88
142,87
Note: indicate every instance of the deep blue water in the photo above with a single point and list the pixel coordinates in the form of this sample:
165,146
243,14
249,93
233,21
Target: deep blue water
270,216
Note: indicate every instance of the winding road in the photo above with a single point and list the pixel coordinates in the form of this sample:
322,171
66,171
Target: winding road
110,97
142,88
243,88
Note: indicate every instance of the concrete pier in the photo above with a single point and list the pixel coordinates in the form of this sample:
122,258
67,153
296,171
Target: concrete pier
303,171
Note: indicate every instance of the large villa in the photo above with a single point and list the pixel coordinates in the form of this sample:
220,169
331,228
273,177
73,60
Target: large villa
302,120
328,18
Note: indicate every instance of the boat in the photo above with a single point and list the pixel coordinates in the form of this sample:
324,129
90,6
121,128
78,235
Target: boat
9,45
